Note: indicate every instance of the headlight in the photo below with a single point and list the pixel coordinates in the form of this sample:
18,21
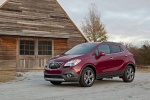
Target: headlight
72,62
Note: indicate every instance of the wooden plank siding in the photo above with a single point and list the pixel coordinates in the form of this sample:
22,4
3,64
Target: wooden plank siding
60,46
7,52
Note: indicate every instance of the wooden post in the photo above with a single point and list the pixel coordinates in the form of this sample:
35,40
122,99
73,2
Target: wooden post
17,53
36,63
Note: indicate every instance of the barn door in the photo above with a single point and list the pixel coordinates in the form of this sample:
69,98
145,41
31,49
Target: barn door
27,58
44,52
34,53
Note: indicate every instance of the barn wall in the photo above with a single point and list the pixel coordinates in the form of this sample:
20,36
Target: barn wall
72,41
60,46
7,52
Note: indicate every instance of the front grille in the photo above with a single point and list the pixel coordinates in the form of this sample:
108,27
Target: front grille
52,76
55,65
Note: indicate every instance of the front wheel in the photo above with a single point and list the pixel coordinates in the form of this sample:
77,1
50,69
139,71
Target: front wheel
55,83
128,74
87,77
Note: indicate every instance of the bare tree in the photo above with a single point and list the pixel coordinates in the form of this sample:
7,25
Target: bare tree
92,26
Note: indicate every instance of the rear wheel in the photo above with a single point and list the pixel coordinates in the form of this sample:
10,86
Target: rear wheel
55,83
87,77
128,74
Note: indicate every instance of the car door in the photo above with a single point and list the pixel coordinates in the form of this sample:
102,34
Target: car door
119,57
104,63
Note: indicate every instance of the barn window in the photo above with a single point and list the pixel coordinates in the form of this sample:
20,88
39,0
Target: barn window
27,47
44,48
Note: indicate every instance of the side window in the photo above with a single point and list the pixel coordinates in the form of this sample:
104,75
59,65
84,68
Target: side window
105,48
116,49
121,49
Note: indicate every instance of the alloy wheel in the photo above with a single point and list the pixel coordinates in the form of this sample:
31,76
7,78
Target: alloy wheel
89,77
130,74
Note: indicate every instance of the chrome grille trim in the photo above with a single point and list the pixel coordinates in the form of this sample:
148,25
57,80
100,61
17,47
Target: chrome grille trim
55,65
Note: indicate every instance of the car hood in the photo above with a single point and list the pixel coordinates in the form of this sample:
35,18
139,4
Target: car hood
65,58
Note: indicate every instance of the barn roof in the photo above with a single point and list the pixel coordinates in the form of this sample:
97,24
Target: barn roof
41,18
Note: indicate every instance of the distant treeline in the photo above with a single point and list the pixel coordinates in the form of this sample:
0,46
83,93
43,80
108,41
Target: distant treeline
141,54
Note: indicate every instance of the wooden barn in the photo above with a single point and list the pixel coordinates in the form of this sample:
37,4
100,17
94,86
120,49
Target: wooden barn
32,31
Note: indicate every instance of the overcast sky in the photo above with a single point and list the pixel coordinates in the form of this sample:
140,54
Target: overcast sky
124,20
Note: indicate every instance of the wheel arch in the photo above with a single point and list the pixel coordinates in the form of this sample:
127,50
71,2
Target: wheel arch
132,65
92,67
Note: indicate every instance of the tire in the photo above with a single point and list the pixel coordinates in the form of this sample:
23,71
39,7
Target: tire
128,74
55,83
87,77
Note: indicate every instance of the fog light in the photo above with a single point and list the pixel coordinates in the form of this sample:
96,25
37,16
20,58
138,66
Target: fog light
69,75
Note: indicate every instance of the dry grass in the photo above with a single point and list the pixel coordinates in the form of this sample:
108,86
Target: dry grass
10,74
144,70
6,76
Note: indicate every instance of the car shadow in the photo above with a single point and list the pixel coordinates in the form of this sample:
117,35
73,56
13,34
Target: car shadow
107,81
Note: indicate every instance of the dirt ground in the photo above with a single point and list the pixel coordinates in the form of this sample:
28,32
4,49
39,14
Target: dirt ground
32,86
6,76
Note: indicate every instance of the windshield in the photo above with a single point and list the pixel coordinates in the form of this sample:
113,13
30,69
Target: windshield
81,49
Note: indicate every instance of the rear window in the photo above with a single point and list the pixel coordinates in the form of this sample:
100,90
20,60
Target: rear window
116,49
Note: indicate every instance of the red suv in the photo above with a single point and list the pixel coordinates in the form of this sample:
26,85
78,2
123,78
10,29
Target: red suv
87,62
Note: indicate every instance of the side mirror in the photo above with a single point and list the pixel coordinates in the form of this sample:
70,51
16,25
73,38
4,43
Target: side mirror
101,54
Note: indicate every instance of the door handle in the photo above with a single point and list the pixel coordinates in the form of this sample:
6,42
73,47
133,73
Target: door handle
111,58
126,55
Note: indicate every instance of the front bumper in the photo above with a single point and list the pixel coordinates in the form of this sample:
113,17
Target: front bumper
65,76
